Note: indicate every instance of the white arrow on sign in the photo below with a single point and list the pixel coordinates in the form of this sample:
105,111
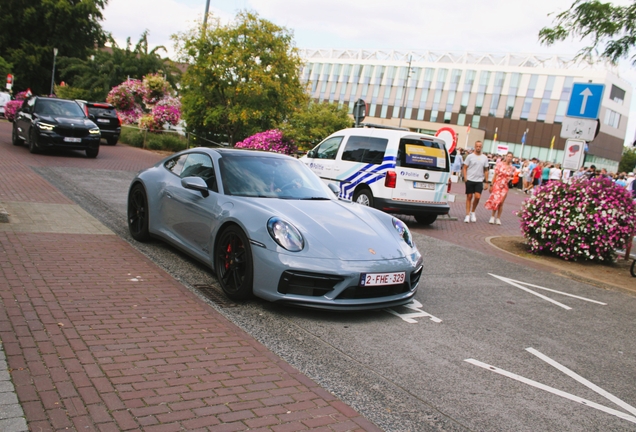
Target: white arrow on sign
586,94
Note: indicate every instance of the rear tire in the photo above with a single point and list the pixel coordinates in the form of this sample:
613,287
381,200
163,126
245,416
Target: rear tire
92,152
363,197
425,219
112,141
233,264
138,214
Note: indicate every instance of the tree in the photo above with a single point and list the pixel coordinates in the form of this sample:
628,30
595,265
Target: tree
93,77
628,161
243,78
312,123
611,29
30,29
5,68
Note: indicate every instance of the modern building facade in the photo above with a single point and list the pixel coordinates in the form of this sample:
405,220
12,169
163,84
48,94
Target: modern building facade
514,101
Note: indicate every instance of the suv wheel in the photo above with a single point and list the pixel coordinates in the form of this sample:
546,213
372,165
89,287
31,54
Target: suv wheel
33,143
425,219
111,141
92,152
364,197
15,139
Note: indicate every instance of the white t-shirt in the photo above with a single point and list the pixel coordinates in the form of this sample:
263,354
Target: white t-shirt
475,166
555,174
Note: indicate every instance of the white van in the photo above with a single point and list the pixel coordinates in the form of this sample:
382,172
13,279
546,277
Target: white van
396,171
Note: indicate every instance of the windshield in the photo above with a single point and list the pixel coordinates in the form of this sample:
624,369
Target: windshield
56,107
257,175
422,154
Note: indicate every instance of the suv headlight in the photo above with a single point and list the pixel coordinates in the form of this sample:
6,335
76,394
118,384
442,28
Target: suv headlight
45,126
285,234
94,131
403,231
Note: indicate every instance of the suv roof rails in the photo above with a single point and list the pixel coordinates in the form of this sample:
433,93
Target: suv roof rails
379,126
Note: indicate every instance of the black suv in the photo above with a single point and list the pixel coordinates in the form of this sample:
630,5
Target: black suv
107,120
44,123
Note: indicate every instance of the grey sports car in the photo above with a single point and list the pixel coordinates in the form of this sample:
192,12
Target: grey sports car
269,227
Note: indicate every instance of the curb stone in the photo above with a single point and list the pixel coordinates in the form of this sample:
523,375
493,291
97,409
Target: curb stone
4,216
11,414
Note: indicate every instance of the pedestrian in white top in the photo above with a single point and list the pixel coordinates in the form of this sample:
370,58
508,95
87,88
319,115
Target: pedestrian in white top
555,173
475,172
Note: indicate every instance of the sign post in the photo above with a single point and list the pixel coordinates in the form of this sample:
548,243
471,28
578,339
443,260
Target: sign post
359,111
573,154
449,136
9,81
585,101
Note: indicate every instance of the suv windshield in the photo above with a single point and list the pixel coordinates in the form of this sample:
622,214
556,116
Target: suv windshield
102,112
422,154
255,175
57,107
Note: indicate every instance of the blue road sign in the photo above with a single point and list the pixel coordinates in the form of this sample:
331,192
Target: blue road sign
585,101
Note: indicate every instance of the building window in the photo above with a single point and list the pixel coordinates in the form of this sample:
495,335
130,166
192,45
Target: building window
617,95
564,99
383,111
434,116
612,118
447,117
461,119
475,122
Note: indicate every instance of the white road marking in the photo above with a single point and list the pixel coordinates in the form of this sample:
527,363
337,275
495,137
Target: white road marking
408,317
583,381
561,393
520,284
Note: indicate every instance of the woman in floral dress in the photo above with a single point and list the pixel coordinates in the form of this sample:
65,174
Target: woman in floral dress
499,188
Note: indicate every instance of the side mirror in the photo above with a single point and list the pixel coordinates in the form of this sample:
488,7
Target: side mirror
197,184
311,154
91,117
334,189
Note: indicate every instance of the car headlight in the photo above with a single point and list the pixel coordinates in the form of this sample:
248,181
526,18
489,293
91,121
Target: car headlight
45,126
403,231
285,234
94,131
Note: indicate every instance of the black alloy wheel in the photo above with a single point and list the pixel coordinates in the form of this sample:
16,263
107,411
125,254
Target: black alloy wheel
138,214
33,142
233,264
15,140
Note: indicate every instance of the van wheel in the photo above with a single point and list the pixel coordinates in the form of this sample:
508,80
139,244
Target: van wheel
425,219
364,197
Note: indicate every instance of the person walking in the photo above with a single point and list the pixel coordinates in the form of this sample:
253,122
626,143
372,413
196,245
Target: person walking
475,172
555,173
499,188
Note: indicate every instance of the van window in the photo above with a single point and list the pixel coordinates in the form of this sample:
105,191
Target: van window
422,154
328,149
365,149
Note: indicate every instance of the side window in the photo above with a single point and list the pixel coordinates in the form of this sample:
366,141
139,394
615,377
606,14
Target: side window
28,106
328,149
365,149
175,165
200,165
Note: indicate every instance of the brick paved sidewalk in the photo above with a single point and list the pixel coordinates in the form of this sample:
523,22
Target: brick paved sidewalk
97,338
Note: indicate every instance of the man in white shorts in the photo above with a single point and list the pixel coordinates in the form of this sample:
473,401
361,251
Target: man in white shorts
475,173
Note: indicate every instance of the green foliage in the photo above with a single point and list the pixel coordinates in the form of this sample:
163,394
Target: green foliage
105,68
628,161
154,141
610,28
243,77
5,68
68,92
29,30
311,124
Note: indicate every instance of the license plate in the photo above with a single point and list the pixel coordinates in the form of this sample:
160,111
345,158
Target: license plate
69,139
380,279
103,121
423,185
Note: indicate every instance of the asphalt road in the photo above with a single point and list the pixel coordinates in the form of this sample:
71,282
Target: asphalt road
475,352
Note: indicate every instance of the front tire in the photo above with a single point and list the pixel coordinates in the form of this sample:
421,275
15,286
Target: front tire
92,152
138,214
363,197
233,264
33,143
15,140
425,219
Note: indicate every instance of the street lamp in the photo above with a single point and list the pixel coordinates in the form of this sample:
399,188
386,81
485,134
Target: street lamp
406,82
205,17
53,73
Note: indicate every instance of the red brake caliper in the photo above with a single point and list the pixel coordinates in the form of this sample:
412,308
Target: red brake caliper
228,251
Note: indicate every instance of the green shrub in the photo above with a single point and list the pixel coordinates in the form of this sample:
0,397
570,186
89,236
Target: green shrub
154,141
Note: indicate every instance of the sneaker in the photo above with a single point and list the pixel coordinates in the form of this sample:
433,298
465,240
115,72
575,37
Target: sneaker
467,219
492,220
498,221
473,218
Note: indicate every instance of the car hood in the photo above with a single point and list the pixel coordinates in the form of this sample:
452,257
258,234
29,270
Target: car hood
69,121
335,229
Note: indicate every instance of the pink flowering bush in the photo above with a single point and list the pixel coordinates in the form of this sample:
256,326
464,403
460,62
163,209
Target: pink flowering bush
155,88
584,220
167,110
271,140
12,107
130,116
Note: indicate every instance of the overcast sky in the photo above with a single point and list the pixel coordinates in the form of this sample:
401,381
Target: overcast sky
498,26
